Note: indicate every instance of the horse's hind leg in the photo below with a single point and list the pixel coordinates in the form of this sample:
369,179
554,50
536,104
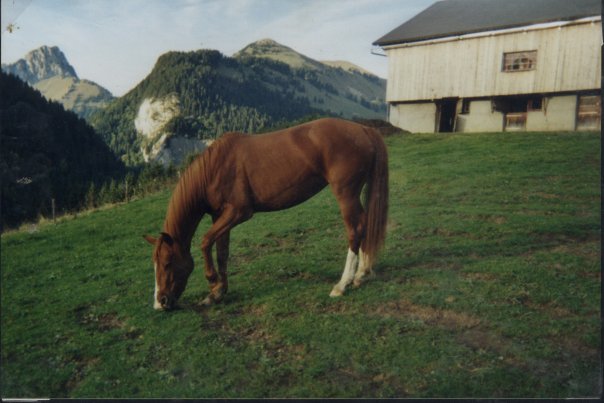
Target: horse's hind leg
364,268
354,220
347,276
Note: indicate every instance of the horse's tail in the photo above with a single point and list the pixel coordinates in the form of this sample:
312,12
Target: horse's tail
376,200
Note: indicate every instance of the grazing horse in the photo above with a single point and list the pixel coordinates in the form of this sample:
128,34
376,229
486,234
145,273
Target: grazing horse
241,174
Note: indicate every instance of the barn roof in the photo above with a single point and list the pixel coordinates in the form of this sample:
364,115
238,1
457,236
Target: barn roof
458,17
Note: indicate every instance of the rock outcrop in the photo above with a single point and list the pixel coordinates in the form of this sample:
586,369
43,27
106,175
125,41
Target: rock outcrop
158,144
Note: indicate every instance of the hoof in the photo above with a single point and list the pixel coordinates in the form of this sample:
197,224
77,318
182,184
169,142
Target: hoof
336,292
208,301
360,280
212,299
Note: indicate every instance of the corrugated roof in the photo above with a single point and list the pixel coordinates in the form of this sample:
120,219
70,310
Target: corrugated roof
457,17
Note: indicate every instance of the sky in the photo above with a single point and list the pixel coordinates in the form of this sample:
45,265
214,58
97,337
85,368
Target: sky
115,43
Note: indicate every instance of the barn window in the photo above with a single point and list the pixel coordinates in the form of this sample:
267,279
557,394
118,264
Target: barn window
516,110
519,61
515,121
589,112
534,104
465,106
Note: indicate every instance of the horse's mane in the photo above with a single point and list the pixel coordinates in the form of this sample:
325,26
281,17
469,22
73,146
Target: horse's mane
188,198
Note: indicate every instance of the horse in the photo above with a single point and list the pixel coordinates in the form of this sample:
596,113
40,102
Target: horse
240,174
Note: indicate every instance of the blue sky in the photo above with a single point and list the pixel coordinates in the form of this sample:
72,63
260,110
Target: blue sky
116,42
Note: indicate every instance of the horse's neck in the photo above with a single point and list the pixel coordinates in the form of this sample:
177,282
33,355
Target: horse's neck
185,210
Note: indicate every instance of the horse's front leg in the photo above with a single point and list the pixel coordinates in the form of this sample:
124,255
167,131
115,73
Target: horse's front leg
219,234
222,256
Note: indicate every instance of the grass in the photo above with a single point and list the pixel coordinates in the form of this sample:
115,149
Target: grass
489,286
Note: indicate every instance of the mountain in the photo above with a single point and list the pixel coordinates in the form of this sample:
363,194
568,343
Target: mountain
351,82
270,49
190,98
40,64
47,153
47,70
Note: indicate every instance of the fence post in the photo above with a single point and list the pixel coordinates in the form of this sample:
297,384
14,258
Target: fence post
54,216
126,188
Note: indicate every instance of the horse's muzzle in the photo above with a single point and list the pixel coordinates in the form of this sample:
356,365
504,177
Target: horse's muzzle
166,303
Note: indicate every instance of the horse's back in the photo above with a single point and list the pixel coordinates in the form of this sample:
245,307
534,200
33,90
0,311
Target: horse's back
327,136
286,167
324,143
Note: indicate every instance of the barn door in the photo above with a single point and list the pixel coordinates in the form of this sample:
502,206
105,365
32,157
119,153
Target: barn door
447,111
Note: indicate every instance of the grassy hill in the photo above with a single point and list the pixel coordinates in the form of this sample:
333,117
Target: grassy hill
83,97
489,286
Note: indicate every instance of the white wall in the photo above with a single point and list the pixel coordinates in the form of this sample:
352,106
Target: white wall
416,117
480,118
559,113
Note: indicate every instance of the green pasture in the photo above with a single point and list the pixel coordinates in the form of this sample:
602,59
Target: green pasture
489,286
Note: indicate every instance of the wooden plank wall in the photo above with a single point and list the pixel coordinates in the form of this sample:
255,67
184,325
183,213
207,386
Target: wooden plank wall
568,59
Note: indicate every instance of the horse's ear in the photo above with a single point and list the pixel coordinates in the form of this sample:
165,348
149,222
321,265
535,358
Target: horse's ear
166,238
150,239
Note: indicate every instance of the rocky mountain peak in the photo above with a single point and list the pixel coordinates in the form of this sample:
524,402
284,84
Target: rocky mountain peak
47,70
265,45
270,49
40,64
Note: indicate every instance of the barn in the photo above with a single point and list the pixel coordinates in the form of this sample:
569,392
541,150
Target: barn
496,65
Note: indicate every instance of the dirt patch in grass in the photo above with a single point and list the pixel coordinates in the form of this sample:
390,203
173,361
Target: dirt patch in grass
549,196
555,239
392,226
591,250
484,218
551,310
440,317
486,342
256,334
442,232
289,241
133,334
477,276
511,353
109,321
255,309
482,340
370,384
82,366
573,347
99,322
437,265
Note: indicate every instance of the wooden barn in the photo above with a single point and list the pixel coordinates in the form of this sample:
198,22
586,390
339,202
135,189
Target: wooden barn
496,65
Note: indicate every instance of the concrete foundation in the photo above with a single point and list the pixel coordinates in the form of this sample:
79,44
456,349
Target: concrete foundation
557,113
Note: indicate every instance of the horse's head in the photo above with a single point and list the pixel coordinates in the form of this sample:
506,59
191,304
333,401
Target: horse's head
173,265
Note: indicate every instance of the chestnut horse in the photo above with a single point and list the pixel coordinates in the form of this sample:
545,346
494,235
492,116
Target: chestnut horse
241,174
